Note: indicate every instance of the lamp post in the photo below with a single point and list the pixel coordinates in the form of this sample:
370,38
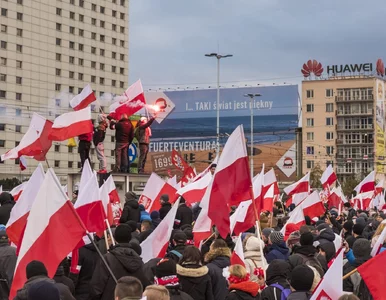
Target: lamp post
251,96
218,57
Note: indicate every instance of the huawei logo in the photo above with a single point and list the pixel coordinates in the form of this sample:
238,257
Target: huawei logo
380,67
312,66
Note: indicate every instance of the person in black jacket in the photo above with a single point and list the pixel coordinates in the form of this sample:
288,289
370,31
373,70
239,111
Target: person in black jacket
143,134
8,260
184,215
122,260
98,139
59,277
131,211
277,274
357,234
349,211
302,278
165,206
178,243
6,205
124,134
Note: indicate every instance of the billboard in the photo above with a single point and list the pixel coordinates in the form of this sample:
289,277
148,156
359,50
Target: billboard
187,122
380,127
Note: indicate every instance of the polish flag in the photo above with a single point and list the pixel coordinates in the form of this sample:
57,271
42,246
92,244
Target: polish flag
270,179
130,102
380,186
106,203
207,170
367,184
299,190
89,206
157,242
20,211
154,189
379,243
231,181
362,201
239,221
115,201
17,191
328,177
296,218
84,99
312,206
71,124
331,286
52,224
173,182
193,192
203,226
380,201
257,183
268,199
237,257
22,163
35,141
336,197
86,175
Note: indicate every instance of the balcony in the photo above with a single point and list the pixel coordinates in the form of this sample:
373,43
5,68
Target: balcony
369,112
368,127
351,99
340,142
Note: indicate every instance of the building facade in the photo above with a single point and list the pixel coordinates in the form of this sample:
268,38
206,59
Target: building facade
343,124
50,49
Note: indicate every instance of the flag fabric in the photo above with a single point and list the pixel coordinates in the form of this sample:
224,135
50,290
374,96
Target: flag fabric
86,175
328,177
207,169
336,197
270,179
84,99
381,239
312,206
331,286
231,181
115,201
237,257
154,189
337,242
203,226
240,221
35,142
22,163
362,200
156,243
188,176
380,186
299,190
17,191
173,182
53,225
296,218
367,184
193,192
71,124
257,184
20,211
268,199
106,203
178,161
373,275
130,102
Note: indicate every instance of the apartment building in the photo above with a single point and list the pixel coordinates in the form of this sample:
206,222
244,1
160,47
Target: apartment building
49,50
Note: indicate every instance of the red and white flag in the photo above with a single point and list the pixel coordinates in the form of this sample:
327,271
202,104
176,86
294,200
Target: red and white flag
379,201
296,218
17,191
115,201
84,99
328,177
379,243
312,206
20,211
203,226
193,192
331,286
71,124
237,257
268,199
35,142
86,175
367,184
154,189
52,224
130,102
173,182
380,186
238,221
207,170
270,179
22,163
157,242
336,197
257,183
362,201
299,190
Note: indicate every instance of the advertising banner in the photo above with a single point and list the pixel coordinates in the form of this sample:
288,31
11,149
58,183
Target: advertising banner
380,128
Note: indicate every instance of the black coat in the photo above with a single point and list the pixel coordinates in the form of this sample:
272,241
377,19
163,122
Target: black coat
8,260
195,281
6,205
308,253
148,269
123,261
61,278
350,283
299,296
277,273
173,255
184,216
176,293
163,211
124,131
131,212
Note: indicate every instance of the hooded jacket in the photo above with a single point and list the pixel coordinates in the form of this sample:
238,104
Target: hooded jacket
8,260
253,257
124,131
277,251
176,294
299,296
246,290
123,261
308,254
184,216
217,260
163,211
277,273
325,235
131,211
195,281
6,204
59,277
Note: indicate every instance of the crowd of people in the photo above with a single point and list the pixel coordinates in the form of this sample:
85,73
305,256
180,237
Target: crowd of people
277,266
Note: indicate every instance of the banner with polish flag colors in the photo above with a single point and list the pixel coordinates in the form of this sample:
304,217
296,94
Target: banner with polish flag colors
336,197
270,179
237,257
257,184
363,200
22,163
380,186
380,241
296,218
299,190
157,242
35,142
202,228
193,192
53,225
115,201
84,99
130,102
268,199
18,190
367,184
154,189
20,211
328,177
241,221
72,124
312,206
86,175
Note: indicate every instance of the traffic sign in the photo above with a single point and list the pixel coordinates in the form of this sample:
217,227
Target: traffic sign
133,152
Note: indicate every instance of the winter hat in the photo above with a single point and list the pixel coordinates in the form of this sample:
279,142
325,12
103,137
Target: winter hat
306,239
166,273
348,225
267,232
361,248
131,196
302,278
180,237
293,238
276,237
322,227
165,197
154,215
277,268
43,290
122,233
36,268
132,224
291,227
319,223
360,221
358,229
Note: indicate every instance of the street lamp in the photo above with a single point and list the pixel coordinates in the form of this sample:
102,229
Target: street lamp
218,57
251,96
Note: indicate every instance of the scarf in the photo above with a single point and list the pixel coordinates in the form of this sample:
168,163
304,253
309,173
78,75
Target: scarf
171,280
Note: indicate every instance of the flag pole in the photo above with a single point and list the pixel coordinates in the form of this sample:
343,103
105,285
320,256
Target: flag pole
349,274
110,232
106,241
48,165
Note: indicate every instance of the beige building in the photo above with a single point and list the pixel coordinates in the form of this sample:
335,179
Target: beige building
49,51
343,122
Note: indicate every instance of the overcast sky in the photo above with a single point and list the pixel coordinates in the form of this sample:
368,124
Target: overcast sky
270,39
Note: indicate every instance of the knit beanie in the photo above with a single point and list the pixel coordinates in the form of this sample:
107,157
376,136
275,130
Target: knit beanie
131,196
358,229
348,225
36,268
306,239
361,248
166,273
43,290
276,237
154,215
122,233
302,278
267,232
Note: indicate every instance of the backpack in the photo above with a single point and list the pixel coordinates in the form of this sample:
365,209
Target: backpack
284,292
313,262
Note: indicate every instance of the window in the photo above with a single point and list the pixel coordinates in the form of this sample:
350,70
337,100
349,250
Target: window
4,12
72,15
121,84
102,24
2,143
310,122
113,139
81,32
93,78
57,163
3,61
93,110
310,136
81,3
58,57
329,107
18,112
329,121
71,59
114,41
71,45
93,7
93,50
93,21
79,165
19,16
58,42
70,149
114,13
18,96
18,128
58,11
79,90
101,80
70,164
2,127
80,47
19,48
123,2
71,74
102,66
114,55
329,135
310,108
3,77
72,30
113,82
19,80
122,56
102,10
57,148
80,76
122,16
93,35
113,69
122,71
72,2
310,164
122,29
57,87
81,18
310,94
330,150
100,95
310,150
2,109
20,2
93,64
102,52
58,72
102,37
3,94
329,93
80,61
71,89
114,27
122,43
19,64
58,27
329,162
3,45
3,28
19,32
